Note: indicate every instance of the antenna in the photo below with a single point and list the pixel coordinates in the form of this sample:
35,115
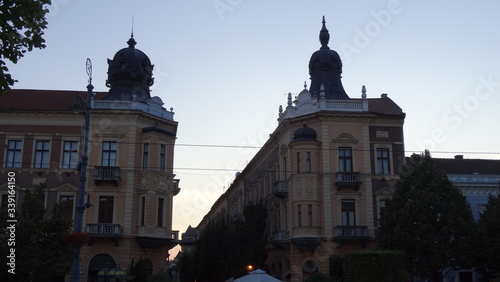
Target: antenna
132,33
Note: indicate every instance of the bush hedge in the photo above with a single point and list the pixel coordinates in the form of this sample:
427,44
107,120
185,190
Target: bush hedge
374,266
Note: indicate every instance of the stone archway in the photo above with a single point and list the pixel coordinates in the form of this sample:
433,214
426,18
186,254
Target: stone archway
97,263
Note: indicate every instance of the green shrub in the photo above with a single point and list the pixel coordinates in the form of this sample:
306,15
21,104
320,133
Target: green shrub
374,266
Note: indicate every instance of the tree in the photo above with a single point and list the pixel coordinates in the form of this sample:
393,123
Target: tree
21,29
40,248
226,247
488,249
428,219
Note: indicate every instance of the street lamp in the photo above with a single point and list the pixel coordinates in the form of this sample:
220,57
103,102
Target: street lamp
80,205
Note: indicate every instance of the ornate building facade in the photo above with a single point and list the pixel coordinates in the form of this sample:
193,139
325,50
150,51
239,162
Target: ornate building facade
130,181
323,174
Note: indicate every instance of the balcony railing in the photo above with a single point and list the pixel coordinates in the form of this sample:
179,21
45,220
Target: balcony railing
348,179
107,173
351,232
176,189
103,229
280,189
280,236
280,239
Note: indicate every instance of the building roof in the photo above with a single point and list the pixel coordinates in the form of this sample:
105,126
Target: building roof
384,106
42,99
63,100
459,165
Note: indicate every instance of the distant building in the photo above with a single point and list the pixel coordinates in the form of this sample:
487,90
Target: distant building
188,239
323,174
130,180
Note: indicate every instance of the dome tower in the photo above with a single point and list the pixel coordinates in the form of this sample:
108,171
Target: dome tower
325,69
130,74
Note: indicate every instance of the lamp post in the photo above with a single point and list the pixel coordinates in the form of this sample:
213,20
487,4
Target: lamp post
80,206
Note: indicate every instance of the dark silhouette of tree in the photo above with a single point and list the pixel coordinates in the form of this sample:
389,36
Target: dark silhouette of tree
42,253
226,246
487,250
428,219
21,29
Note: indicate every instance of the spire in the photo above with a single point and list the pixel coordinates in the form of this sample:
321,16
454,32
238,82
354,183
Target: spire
131,42
324,36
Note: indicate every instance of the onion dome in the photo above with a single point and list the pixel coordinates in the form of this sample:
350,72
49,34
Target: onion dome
130,74
304,133
325,69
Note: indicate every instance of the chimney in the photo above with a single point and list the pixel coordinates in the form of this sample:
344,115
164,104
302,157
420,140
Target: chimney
459,157
383,95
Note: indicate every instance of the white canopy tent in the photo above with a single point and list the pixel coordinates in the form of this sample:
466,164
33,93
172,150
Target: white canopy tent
257,275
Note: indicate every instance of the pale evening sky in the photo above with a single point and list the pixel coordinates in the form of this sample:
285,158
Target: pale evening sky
225,66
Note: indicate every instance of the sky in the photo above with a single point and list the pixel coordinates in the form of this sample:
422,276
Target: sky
225,66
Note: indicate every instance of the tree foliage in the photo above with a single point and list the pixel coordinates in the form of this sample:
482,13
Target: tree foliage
42,253
21,29
428,219
225,247
487,258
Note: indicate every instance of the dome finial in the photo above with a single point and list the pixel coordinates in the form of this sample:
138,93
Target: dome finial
324,36
131,42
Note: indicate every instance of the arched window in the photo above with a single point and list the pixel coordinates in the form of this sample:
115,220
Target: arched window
97,263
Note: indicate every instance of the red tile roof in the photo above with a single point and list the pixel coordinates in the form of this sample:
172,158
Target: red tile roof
42,99
384,105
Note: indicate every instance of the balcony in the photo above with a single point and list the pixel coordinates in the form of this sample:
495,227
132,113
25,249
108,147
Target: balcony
104,230
107,173
176,189
348,180
280,189
351,233
280,239
158,241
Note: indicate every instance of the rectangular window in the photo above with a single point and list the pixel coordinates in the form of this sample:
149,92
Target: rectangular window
298,162
70,155
159,221
163,158
13,157
106,205
145,156
108,153
348,213
308,163
383,161
42,154
310,215
300,215
284,169
345,159
143,210
67,202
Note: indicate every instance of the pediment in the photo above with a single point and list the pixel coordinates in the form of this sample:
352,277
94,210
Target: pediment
66,188
345,138
110,132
